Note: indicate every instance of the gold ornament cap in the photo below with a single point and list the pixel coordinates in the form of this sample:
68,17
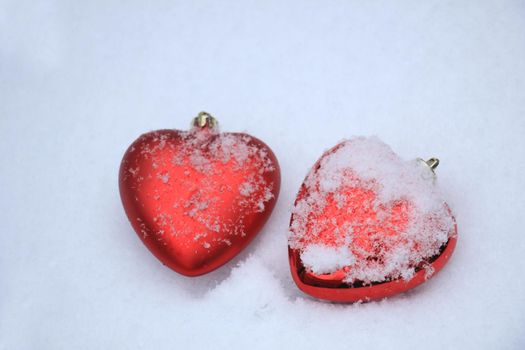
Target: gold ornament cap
431,165
203,120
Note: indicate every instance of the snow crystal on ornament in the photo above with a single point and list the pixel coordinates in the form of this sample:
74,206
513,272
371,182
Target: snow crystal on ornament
321,259
200,180
365,211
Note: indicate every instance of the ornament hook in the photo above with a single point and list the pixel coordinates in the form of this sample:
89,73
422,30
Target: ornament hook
432,163
204,119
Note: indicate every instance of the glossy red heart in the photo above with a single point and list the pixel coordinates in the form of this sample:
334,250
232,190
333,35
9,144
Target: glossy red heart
197,198
351,217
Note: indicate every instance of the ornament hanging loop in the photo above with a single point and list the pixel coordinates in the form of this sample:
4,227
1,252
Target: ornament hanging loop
203,120
432,163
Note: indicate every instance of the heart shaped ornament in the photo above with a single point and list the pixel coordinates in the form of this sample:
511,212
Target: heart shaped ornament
367,225
196,198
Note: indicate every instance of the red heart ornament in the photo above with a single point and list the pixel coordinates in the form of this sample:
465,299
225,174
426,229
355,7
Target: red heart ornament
197,198
367,225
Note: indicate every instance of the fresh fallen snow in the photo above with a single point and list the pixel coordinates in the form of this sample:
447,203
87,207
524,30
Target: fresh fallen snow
367,210
79,81
321,259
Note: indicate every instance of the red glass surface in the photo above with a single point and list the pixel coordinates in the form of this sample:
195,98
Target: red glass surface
160,197
332,286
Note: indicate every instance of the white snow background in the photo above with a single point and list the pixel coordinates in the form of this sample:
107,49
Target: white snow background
79,81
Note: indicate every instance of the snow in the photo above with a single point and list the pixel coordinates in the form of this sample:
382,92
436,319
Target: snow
321,259
80,81
362,197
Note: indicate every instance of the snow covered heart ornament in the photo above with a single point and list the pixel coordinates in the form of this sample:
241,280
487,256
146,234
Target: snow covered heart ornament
196,198
367,225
